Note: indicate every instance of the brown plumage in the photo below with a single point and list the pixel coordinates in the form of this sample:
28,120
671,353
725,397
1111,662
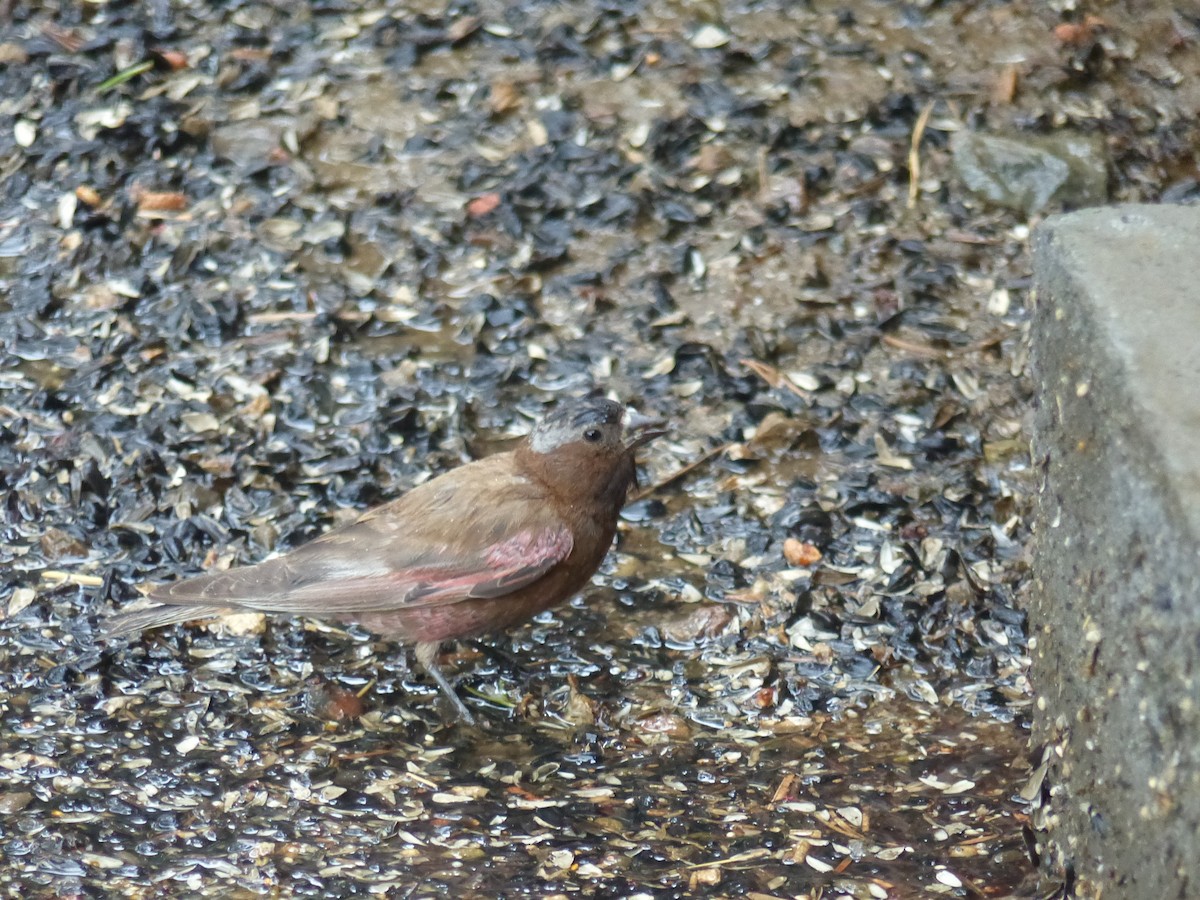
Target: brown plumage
478,549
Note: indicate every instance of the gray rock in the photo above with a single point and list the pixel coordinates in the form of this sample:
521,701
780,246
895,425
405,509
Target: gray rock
1029,172
250,143
1115,606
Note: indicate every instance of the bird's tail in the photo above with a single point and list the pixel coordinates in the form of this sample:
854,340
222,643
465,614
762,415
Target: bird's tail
154,617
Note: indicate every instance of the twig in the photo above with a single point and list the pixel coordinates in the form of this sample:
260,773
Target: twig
949,353
912,347
772,376
270,318
55,578
125,75
757,853
914,154
679,473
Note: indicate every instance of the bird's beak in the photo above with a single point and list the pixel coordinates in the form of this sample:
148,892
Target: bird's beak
642,429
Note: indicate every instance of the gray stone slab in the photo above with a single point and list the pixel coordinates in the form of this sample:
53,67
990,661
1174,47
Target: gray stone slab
1115,605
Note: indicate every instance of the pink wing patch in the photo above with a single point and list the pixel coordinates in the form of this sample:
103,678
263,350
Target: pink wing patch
523,559
510,565
531,548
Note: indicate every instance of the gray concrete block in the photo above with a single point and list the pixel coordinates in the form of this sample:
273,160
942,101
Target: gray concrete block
1115,605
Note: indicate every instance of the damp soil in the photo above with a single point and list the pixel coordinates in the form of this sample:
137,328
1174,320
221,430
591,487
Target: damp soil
265,265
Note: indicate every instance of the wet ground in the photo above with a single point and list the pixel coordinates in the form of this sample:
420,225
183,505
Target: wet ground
264,266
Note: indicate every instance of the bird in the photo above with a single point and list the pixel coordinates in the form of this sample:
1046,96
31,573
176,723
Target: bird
478,549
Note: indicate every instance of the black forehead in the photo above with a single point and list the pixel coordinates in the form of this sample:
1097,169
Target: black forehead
581,413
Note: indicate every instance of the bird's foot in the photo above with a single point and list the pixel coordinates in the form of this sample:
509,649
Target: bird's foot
505,659
427,657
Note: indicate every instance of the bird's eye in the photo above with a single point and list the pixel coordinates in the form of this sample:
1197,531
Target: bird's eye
592,435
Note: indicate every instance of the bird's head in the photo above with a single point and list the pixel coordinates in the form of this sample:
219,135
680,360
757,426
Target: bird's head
586,448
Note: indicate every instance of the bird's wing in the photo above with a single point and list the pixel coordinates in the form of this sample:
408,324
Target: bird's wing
416,551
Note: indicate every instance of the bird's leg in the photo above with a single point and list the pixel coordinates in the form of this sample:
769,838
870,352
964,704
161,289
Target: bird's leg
427,656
